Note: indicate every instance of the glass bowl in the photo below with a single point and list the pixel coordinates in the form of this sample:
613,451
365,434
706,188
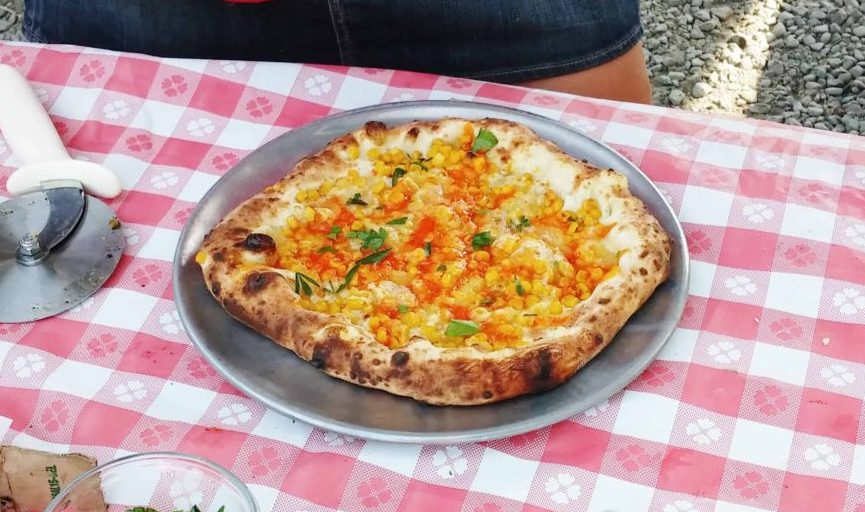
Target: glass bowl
160,482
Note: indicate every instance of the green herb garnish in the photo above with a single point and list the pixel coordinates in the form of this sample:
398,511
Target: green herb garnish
326,248
402,308
397,222
530,314
427,249
374,257
461,328
421,163
141,509
486,302
519,287
302,284
521,224
334,232
482,239
484,141
355,199
398,173
441,268
371,239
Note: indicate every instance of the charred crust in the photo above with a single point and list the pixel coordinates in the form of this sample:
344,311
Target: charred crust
657,264
399,358
257,281
487,394
412,133
644,253
545,366
258,242
215,289
592,318
357,370
375,130
218,256
320,355
603,300
376,362
643,271
597,338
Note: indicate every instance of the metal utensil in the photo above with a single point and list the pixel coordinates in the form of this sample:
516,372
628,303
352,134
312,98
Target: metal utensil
58,245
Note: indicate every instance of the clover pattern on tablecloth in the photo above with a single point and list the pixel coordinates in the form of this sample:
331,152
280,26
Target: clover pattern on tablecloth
751,484
156,435
61,127
317,85
232,66
770,400
199,369
633,457
488,507
698,242
724,352
28,365
703,431
525,439
814,192
374,492
837,375
170,322
185,490
458,83
259,106
821,457
856,232
675,145
224,161
680,506
182,215
657,375
102,345
130,391
146,274
263,461
740,285
15,58
583,125
597,409
131,236
563,488
713,176
786,329
406,96
449,462
163,180
547,100
139,143
849,301
234,414
200,126
860,175
770,161
334,439
757,213
800,255
55,416
175,85
92,70
115,109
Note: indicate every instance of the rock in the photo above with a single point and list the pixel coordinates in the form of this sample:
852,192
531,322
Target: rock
844,77
676,75
812,85
859,31
703,15
759,108
779,29
817,46
708,26
791,42
700,89
821,28
825,37
857,71
722,11
676,97
749,95
834,91
809,39
674,59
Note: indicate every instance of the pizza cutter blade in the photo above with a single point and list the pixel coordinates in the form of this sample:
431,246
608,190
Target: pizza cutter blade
58,245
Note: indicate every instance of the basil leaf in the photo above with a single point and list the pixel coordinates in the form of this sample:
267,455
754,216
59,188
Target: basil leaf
141,509
484,141
482,239
402,308
348,277
427,249
519,287
334,232
397,222
221,509
461,328
398,173
521,224
302,284
371,239
373,258
355,199
326,248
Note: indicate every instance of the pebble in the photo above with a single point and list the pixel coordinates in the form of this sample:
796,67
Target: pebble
859,31
722,11
834,91
677,96
700,89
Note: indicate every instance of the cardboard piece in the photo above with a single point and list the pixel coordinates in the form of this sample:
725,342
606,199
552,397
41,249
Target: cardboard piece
30,479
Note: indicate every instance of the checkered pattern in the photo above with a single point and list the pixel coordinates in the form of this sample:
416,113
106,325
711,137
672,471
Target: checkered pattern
755,404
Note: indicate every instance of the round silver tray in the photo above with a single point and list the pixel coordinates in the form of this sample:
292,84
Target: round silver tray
283,382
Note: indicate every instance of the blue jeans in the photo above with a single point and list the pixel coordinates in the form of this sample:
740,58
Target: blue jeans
497,40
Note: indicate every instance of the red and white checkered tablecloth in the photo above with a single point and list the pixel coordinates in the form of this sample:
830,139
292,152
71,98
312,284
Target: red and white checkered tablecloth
755,404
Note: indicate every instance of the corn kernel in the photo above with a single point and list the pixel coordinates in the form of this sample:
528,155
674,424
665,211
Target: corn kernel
411,319
555,308
353,152
596,274
312,195
301,196
333,308
447,280
509,245
515,302
539,266
325,187
532,301
438,160
373,154
292,223
374,322
491,276
381,335
308,214
200,257
378,187
481,256
569,301
354,303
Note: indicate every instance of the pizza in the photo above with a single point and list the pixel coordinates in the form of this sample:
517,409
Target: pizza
454,261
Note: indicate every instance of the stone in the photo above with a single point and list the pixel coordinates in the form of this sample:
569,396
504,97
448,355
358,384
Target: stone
817,46
857,71
700,89
821,28
779,29
859,31
834,91
676,97
703,15
708,26
722,11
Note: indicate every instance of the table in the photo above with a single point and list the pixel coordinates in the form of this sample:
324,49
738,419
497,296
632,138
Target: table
755,404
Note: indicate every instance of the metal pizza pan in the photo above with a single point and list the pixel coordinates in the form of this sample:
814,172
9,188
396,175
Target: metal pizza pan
288,385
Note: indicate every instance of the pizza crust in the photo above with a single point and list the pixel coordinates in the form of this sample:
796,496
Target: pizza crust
238,270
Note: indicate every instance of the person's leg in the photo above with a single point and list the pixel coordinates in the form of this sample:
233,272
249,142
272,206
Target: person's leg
624,78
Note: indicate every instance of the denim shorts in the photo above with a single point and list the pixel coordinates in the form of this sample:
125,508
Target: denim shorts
496,40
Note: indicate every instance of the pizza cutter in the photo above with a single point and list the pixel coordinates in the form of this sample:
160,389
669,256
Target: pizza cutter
58,244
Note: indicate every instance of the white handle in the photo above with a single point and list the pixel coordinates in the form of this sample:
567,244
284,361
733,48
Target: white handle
96,179
28,130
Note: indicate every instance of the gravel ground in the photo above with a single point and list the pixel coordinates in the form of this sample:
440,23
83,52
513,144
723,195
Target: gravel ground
800,62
